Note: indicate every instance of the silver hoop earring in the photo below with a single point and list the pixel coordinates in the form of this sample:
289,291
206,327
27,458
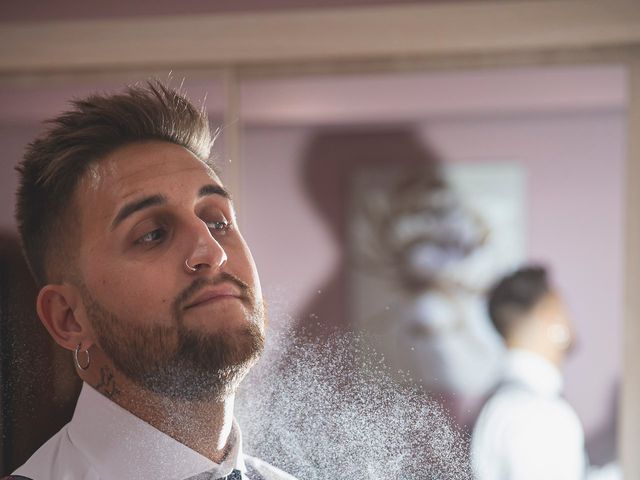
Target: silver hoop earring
189,267
75,358
559,335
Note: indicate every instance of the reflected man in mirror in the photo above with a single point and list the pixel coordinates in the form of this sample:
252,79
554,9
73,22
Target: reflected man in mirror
526,430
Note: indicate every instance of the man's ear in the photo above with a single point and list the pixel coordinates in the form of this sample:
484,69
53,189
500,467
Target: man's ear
56,307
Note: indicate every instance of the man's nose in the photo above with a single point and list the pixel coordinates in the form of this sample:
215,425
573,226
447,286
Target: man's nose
205,252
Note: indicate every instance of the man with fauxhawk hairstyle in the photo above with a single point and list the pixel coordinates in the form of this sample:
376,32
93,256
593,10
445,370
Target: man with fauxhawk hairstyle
145,278
526,430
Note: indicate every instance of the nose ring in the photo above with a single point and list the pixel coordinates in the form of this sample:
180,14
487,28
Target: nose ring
190,269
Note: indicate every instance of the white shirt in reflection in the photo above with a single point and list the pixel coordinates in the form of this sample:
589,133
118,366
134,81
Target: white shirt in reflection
526,430
103,441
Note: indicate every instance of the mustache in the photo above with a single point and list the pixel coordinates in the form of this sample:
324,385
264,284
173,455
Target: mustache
246,294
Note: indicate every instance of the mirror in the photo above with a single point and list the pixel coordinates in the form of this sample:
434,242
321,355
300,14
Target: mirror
395,200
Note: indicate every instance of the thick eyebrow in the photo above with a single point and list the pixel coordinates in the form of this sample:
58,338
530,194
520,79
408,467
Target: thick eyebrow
135,206
155,200
213,189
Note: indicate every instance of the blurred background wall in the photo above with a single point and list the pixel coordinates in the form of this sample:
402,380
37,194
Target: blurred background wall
563,125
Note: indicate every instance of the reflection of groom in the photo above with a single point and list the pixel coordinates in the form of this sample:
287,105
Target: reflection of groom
527,430
146,278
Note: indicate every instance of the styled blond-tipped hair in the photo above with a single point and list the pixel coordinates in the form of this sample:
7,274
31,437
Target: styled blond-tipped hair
54,163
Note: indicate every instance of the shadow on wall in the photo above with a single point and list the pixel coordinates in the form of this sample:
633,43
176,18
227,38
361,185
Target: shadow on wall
330,164
39,384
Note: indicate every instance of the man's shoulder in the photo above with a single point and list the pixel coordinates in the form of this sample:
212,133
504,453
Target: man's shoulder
519,414
520,401
265,470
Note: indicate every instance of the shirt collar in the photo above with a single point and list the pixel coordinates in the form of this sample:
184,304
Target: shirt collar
120,445
533,371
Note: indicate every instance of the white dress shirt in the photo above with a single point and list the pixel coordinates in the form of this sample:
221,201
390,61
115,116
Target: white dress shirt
103,441
526,430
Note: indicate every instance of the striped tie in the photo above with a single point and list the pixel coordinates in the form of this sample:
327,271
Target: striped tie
235,475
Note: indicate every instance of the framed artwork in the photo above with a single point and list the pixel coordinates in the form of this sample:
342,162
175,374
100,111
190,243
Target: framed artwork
426,246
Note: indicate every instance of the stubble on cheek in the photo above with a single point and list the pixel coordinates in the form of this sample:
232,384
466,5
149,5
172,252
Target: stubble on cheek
133,347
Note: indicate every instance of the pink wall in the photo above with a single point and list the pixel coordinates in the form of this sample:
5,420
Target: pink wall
564,125
575,195
574,166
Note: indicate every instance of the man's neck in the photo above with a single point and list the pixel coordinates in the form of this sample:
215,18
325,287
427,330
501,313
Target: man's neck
541,348
204,426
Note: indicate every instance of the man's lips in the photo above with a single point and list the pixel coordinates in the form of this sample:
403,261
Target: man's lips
213,294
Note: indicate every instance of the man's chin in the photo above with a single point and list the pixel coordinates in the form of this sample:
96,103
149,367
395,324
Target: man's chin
224,315
206,367
233,345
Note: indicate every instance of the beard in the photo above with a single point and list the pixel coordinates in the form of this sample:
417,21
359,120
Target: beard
175,361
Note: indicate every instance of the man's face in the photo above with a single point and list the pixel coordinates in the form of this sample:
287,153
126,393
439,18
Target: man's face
558,322
145,210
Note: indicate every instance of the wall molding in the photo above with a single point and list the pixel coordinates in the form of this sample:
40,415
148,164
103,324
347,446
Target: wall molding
364,34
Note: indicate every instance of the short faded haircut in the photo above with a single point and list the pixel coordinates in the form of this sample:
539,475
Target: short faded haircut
55,163
513,297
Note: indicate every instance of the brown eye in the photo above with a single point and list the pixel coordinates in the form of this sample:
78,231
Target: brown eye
152,237
219,227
